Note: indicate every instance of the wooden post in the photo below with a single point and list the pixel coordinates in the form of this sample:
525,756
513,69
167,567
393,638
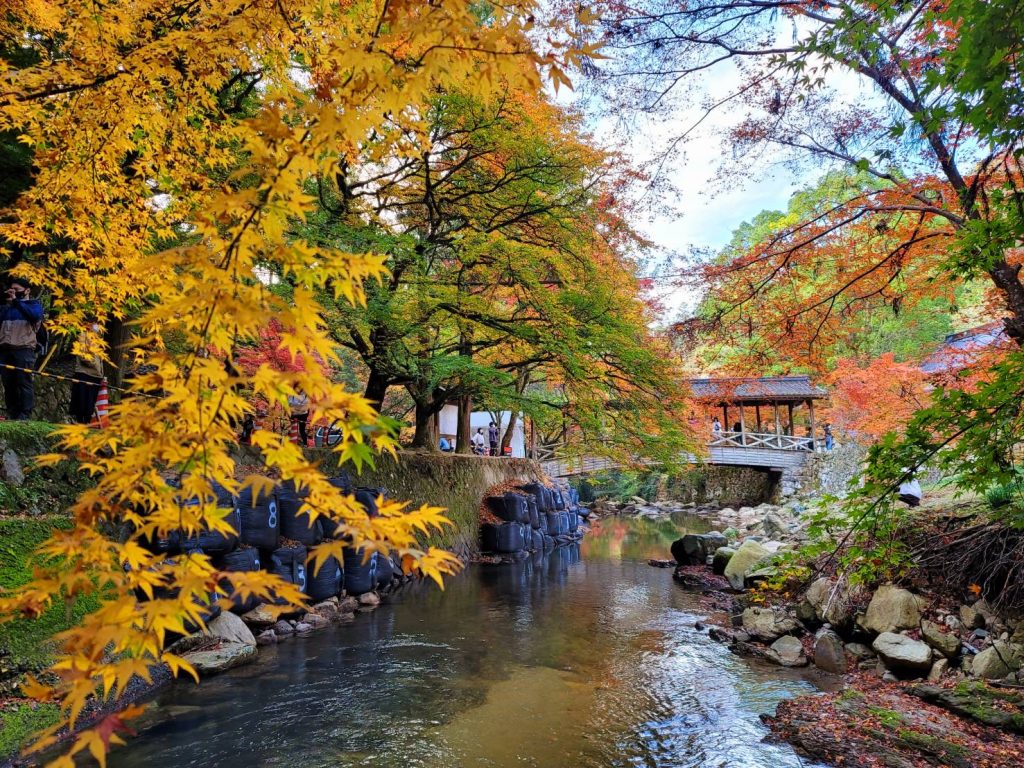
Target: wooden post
810,410
743,426
778,427
726,426
757,416
792,426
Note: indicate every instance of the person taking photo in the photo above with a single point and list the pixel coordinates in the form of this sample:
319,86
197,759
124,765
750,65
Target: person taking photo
20,318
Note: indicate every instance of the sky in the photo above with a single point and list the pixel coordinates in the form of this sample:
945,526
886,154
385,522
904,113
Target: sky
700,214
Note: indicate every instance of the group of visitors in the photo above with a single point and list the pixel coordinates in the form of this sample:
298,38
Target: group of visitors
480,444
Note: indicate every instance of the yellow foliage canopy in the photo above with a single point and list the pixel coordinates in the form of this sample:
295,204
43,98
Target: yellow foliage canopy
133,113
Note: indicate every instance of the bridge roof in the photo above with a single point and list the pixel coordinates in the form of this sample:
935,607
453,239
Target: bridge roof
768,389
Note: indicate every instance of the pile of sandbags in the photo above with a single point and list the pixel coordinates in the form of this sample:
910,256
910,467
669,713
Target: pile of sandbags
534,518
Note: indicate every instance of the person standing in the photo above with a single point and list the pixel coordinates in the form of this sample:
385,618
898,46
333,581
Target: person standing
20,318
829,440
298,404
477,440
88,377
492,438
716,429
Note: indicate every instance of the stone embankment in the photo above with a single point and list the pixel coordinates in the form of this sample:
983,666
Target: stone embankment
927,683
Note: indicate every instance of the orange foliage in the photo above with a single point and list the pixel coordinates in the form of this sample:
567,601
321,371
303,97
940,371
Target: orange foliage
873,399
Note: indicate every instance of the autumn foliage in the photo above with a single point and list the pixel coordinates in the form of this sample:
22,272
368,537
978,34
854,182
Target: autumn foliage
872,398
174,145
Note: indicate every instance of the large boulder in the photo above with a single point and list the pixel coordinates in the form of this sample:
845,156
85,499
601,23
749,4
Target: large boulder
222,658
787,651
892,609
767,624
696,548
721,559
998,661
829,654
832,603
231,629
747,557
943,642
903,654
774,525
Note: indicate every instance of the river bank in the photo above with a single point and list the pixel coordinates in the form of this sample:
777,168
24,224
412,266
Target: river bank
584,656
926,679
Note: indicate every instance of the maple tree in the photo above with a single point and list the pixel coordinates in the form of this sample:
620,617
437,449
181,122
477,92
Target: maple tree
943,200
509,256
153,195
871,399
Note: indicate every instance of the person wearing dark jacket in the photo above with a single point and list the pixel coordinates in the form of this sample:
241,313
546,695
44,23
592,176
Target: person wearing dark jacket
20,316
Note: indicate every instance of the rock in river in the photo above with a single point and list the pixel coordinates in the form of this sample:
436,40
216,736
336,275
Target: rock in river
787,651
224,657
767,624
231,629
749,554
829,654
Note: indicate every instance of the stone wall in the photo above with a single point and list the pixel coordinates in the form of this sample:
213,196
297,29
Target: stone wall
826,473
457,483
728,486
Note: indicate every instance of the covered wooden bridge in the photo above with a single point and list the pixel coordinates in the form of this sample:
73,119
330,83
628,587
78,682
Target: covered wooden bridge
765,422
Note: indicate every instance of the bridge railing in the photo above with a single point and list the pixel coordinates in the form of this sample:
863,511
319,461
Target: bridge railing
769,441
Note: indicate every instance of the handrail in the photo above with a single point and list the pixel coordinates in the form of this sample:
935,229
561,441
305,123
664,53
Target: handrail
762,440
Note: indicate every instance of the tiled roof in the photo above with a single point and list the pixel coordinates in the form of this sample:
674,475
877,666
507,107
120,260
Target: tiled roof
962,350
768,388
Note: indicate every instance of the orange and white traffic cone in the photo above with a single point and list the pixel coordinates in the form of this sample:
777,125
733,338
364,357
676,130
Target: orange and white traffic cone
101,412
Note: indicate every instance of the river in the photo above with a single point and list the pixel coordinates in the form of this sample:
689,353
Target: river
583,657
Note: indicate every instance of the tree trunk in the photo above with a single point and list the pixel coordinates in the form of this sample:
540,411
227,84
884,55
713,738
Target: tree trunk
426,426
117,340
462,444
506,438
376,388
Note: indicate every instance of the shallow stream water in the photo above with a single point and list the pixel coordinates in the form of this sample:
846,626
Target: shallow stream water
583,657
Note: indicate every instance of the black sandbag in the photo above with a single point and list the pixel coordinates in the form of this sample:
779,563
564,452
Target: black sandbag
489,537
510,538
583,512
290,564
551,523
510,507
374,491
296,524
216,542
342,482
360,577
260,520
324,580
531,506
368,500
542,494
564,540
549,542
385,571
518,503
563,523
536,540
244,561
559,500
574,521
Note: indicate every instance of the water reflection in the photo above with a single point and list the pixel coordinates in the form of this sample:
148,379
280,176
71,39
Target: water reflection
575,658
